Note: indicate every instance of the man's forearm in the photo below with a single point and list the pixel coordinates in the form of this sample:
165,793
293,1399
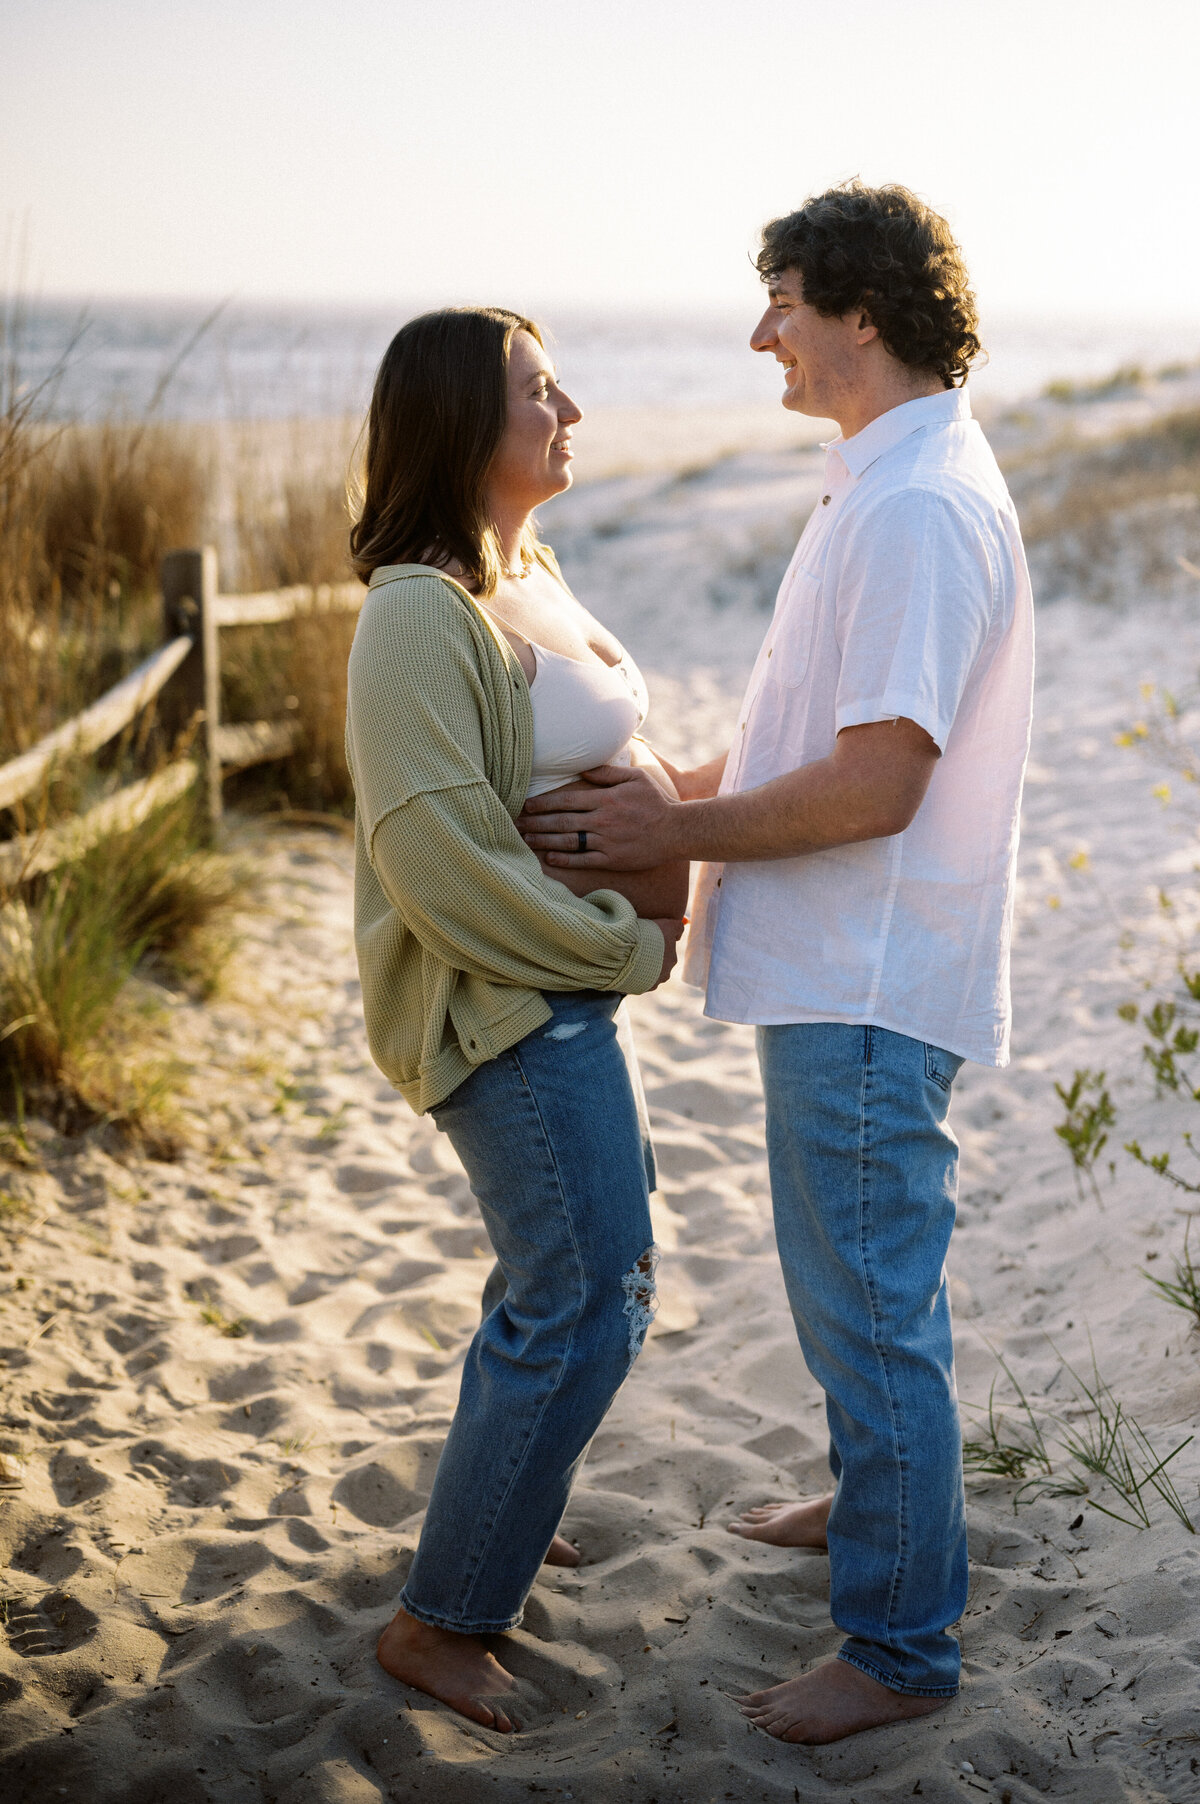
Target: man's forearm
807,810
857,793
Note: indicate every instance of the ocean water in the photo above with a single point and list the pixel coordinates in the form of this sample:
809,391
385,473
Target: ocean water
287,361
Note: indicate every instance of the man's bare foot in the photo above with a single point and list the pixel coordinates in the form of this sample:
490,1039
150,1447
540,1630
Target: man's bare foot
561,1553
786,1524
455,1669
832,1701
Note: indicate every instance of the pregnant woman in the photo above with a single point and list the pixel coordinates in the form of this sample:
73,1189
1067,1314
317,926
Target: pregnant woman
491,989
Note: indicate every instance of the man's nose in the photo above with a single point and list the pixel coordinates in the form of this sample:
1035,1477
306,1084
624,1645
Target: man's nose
764,336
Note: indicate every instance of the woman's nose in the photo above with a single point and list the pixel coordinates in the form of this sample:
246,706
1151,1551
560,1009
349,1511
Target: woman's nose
569,414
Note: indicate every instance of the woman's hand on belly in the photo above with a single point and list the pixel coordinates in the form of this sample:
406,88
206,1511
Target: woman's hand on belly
660,893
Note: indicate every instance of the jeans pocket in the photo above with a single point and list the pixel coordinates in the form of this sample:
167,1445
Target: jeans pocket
941,1067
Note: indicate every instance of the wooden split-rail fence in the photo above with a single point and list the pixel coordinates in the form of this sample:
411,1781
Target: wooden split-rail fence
189,660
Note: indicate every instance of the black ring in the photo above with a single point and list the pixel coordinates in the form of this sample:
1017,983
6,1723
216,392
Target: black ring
581,839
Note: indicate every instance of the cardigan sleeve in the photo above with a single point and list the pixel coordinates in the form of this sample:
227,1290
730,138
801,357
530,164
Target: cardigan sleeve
464,882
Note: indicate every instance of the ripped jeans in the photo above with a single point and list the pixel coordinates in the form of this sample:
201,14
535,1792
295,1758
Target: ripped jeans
552,1135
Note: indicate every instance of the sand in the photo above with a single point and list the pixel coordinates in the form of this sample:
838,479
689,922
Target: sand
204,1532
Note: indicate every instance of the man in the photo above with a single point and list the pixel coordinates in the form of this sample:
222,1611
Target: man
856,905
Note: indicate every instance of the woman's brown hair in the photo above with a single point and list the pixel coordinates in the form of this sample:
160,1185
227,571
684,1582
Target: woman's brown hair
438,413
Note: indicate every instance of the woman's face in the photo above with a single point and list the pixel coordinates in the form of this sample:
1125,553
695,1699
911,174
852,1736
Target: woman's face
533,460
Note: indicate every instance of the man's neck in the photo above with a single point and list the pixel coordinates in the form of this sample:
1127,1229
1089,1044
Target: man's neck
856,411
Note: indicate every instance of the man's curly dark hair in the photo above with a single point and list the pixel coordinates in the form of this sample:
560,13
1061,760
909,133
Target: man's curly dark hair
884,251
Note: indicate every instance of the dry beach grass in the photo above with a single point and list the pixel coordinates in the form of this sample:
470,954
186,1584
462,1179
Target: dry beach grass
229,1373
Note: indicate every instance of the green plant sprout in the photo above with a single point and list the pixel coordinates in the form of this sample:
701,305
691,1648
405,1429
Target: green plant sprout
299,1443
334,1124
1170,1040
1004,1452
286,1090
1113,1447
1160,1164
1183,1290
1084,1127
14,1210
233,1328
1108,1447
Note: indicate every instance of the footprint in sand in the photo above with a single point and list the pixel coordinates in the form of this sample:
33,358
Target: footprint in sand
56,1624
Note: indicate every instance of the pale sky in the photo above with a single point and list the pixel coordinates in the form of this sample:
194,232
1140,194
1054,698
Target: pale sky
592,152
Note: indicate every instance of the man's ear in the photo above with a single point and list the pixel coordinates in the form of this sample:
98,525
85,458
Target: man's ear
867,329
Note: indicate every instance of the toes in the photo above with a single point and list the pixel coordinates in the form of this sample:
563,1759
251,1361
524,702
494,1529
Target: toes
776,1723
492,1714
561,1553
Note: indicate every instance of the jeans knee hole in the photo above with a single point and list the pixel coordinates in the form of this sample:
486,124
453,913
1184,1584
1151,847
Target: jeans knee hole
641,1298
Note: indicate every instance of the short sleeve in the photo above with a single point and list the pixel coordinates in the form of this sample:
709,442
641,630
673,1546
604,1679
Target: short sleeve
915,599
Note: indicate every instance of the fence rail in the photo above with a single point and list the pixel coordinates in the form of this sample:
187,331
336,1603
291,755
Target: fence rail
274,605
186,672
33,854
95,726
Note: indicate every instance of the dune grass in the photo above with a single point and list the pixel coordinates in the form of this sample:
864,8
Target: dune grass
292,532
80,1040
87,511
1081,492
1093,1448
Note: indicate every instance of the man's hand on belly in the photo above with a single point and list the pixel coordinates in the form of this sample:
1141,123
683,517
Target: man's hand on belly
622,810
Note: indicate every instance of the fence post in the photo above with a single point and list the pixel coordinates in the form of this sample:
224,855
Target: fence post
189,593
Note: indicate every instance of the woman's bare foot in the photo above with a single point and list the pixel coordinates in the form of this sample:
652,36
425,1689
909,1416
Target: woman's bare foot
786,1524
455,1669
832,1701
561,1553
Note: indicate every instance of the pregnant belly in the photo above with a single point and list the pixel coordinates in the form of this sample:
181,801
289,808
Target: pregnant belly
659,894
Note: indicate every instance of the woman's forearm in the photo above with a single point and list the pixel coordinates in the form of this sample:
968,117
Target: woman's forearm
692,785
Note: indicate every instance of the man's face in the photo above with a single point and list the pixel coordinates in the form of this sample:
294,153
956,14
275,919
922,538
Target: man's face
819,355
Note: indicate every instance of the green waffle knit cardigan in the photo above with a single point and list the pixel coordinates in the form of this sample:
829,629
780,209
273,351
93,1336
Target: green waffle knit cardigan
458,930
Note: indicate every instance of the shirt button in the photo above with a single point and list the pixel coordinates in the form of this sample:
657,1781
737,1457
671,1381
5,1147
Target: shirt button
825,500
770,649
718,883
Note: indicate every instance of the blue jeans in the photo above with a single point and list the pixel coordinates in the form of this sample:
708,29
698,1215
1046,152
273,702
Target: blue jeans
864,1175
552,1137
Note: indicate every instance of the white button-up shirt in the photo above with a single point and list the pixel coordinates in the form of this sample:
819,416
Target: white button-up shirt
908,594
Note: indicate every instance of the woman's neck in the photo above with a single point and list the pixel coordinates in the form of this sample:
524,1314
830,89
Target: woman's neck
509,525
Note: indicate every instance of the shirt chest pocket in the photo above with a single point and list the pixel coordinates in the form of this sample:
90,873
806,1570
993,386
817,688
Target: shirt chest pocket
795,629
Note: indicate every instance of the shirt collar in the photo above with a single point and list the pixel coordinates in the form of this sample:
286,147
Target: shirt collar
860,452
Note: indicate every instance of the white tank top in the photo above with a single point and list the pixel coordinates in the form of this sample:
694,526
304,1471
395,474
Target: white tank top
584,714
